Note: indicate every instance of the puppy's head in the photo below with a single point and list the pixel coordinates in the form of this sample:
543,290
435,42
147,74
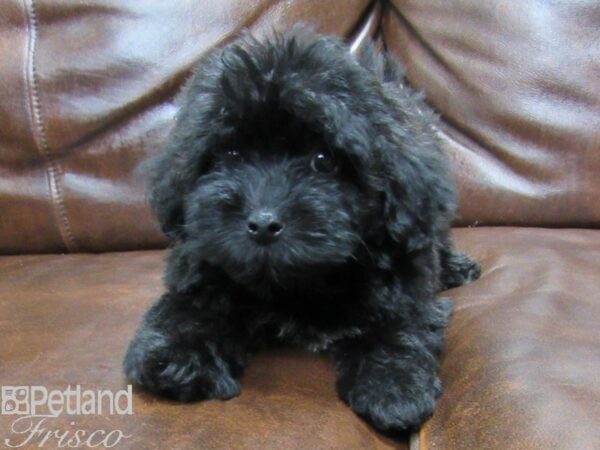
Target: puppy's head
291,157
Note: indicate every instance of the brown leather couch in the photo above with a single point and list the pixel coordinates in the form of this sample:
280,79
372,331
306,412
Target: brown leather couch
86,93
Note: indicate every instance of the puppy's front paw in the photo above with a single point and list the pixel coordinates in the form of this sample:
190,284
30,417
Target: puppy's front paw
458,269
175,372
391,407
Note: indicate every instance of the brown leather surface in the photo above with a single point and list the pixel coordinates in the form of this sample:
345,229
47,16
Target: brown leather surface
520,368
67,319
517,84
87,93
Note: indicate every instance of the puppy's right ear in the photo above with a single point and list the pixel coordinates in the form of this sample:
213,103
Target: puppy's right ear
166,194
175,170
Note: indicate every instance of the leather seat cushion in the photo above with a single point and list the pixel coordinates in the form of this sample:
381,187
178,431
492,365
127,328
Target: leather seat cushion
523,354
520,368
67,319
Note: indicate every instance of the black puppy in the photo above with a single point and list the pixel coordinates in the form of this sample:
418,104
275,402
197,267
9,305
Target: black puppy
308,202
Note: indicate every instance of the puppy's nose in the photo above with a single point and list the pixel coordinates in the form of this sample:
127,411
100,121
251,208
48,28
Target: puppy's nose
264,226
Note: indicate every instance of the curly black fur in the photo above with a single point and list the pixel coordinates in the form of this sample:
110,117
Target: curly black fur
343,157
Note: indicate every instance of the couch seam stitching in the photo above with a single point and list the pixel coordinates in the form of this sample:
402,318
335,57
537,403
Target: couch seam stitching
53,169
379,30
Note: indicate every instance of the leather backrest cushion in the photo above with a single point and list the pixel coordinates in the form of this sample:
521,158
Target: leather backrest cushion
88,87
517,84
87,93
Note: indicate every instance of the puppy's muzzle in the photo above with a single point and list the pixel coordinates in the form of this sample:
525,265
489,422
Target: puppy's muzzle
264,226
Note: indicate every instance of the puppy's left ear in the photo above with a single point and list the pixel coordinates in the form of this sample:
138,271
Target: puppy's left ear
419,196
417,188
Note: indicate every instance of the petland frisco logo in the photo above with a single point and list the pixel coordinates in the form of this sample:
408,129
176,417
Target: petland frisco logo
36,407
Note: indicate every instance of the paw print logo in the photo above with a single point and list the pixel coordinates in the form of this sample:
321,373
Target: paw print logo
15,400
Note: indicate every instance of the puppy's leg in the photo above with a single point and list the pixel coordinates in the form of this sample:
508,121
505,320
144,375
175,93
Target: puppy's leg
389,376
457,268
184,352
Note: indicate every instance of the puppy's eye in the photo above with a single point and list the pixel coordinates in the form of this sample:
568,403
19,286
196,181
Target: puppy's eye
232,156
323,161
